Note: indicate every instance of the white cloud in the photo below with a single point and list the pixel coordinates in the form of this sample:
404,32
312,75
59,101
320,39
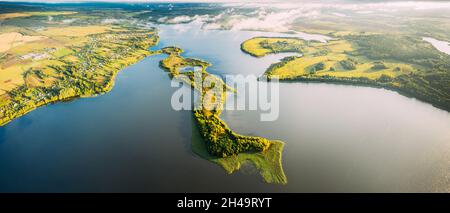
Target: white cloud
185,19
279,16
381,5
111,21
271,21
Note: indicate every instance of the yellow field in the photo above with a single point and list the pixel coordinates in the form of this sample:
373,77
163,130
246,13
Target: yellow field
27,14
253,46
62,52
11,72
54,42
75,31
10,40
37,46
364,70
12,76
172,62
51,13
299,67
296,67
330,54
12,15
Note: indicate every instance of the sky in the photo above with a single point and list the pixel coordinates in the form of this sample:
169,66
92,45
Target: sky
257,1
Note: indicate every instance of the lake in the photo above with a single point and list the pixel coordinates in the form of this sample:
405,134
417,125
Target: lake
338,138
442,46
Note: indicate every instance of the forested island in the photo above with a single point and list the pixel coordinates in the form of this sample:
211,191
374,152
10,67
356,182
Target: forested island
223,145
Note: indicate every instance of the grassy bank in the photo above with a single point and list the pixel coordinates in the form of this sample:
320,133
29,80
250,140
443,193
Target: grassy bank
268,163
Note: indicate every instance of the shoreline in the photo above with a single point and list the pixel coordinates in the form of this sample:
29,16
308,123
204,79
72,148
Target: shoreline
268,161
220,144
357,83
105,89
437,102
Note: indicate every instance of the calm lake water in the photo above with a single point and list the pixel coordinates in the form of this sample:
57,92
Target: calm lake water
442,46
338,138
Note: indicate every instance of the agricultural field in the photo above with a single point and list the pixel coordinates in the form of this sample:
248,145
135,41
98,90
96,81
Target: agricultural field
5,16
58,61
